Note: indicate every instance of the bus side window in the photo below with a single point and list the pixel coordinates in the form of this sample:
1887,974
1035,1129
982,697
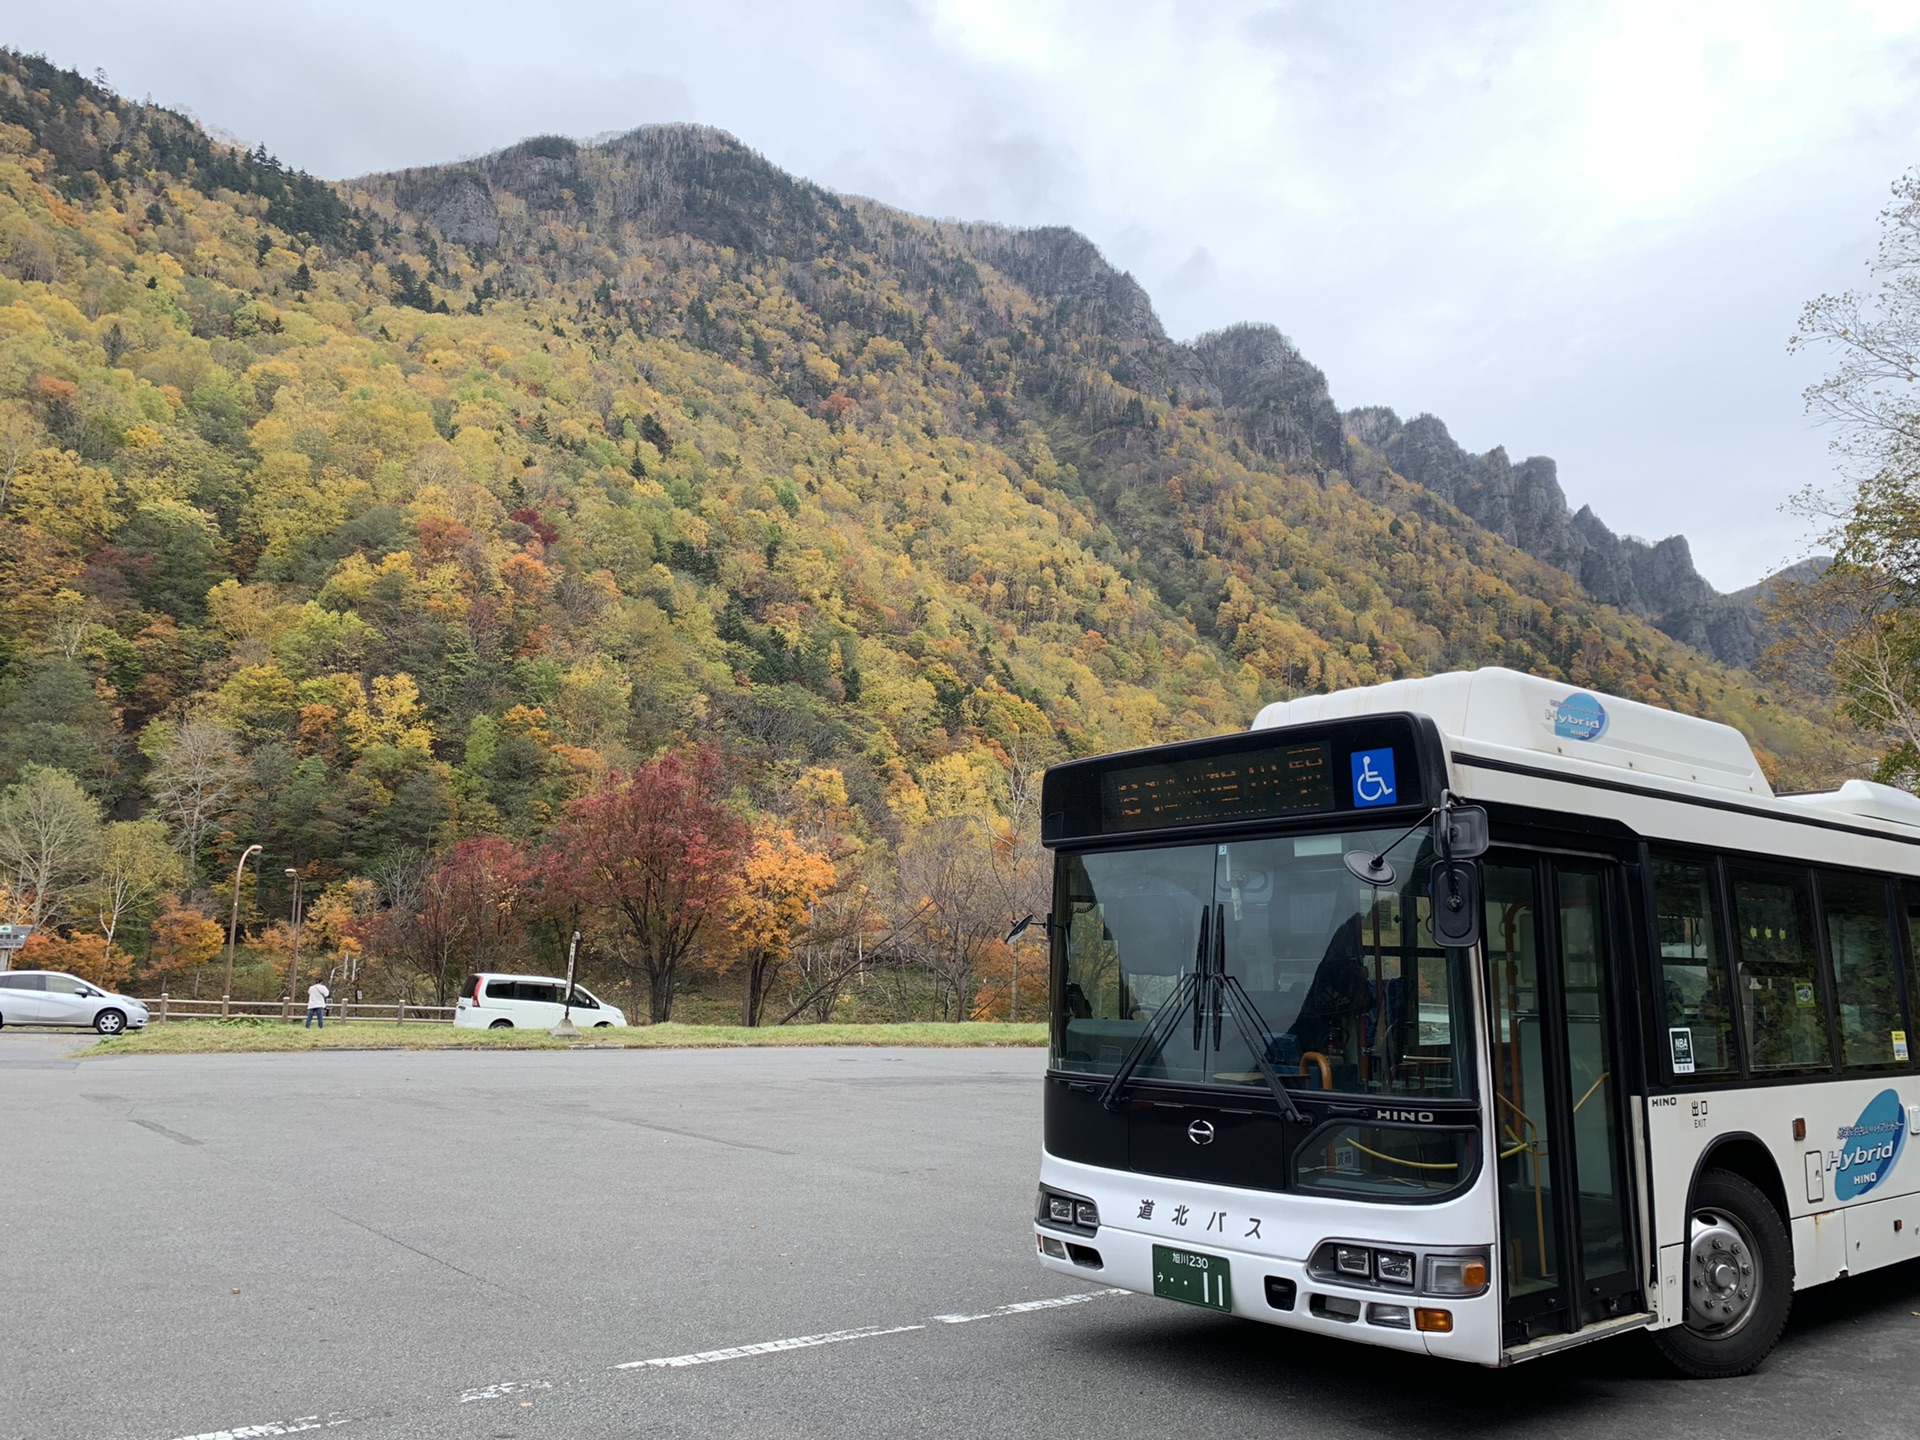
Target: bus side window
1782,1002
1693,972
1862,954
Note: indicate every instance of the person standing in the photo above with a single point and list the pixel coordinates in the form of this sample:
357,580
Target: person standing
317,994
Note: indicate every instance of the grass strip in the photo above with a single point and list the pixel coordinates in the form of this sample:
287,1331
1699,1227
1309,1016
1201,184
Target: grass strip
216,1037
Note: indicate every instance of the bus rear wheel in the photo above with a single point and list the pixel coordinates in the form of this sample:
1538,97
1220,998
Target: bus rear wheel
1738,1281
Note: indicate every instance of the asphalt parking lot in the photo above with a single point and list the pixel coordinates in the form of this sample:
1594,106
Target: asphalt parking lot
699,1244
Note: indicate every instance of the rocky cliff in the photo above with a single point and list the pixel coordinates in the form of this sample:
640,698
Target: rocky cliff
1525,506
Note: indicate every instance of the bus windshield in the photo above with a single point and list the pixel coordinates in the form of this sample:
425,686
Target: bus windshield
1351,992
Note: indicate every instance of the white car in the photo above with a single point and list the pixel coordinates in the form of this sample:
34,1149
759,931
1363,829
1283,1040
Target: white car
529,1002
51,997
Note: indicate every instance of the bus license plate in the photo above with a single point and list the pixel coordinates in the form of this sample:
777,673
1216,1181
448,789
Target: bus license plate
1192,1277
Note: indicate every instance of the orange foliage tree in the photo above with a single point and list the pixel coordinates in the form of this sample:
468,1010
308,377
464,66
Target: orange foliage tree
84,954
183,940
780,884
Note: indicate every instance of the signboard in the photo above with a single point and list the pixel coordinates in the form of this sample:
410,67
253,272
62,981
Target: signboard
12,937
1289,780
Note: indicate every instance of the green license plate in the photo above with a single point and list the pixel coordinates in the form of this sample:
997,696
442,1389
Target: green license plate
1192,1277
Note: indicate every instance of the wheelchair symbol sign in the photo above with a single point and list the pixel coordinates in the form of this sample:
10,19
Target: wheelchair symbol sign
1373,778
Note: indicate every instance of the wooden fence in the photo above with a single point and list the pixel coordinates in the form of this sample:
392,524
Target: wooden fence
170,1007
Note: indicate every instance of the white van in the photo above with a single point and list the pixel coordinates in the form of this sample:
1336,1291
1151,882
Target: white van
529,1002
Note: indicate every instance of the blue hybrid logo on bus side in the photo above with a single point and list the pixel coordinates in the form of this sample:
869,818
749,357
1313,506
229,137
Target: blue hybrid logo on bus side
1373,778
1578,717
1869,1148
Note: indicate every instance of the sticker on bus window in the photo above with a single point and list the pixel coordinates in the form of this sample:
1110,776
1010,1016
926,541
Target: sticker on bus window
1899,1044
1803,996
1680,1041
1373,781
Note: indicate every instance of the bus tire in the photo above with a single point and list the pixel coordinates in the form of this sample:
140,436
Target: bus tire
1738,1283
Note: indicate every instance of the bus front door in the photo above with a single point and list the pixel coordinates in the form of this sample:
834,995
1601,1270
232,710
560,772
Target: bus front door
1553,948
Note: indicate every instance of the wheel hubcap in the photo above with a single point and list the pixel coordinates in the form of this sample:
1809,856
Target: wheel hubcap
1724,1275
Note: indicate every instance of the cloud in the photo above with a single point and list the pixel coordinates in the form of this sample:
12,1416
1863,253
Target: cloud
1196,272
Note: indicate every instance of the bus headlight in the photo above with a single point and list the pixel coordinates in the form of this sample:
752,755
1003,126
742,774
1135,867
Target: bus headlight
1463,1274
1394,1267
1074,1212
1446,1272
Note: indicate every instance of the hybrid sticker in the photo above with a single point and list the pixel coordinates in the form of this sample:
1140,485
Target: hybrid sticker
1578,717
1373,782
1680,1041
1869,1148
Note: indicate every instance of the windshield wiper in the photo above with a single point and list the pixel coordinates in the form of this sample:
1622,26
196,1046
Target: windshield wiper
1186,993
1229,989
1226,995
1209,991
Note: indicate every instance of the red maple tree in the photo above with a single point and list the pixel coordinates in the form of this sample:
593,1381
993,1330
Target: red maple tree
468,912
658,853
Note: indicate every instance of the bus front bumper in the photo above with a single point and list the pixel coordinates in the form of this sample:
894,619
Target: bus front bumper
1372,1316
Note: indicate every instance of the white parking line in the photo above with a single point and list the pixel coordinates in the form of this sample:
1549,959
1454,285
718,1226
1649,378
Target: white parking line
272,1427
503,1389
766,1347
1025,1305
507,1388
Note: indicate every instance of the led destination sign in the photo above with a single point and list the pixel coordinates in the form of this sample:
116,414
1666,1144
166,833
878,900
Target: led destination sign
1370,763
1207,790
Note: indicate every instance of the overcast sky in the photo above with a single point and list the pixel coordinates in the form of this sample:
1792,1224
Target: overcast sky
1580,230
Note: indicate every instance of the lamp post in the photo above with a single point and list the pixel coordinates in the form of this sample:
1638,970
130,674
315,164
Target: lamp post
293,963
233,929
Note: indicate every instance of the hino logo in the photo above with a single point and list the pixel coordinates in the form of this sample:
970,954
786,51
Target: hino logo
1419,1117
1200,1132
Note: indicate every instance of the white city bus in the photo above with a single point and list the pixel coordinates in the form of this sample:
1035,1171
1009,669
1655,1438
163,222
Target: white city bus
1660,1078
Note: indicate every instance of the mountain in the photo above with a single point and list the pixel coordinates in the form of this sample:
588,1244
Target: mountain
1525,506
442,492
1270,397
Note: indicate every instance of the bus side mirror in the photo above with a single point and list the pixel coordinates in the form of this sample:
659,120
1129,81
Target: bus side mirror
1020,927
1460,832
1457,905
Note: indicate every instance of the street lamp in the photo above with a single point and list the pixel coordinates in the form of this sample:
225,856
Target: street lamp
233,930
293,963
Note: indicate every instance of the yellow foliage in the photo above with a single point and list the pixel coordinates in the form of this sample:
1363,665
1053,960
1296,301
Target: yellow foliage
393,716
781,881
57,494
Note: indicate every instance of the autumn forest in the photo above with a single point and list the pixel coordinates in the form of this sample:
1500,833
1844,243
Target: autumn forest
633,538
